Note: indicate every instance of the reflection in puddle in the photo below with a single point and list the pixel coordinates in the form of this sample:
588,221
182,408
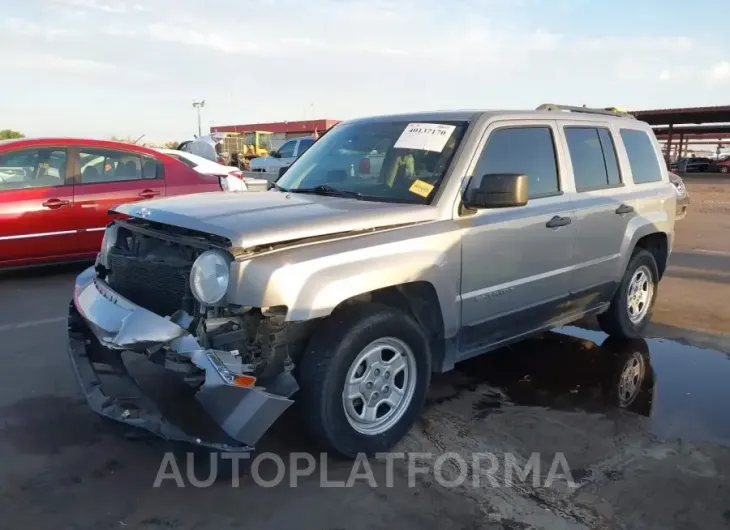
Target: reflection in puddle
682,389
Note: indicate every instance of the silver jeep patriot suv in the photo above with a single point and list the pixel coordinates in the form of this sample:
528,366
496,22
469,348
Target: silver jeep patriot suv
393,248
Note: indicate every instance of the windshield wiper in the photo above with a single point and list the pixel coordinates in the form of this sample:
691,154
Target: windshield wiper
323,189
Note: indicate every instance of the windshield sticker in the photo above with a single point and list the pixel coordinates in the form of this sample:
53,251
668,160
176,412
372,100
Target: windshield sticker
425,136
421,188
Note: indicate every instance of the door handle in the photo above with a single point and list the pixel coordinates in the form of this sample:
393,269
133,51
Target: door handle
624,209
148,194
557,222
54,203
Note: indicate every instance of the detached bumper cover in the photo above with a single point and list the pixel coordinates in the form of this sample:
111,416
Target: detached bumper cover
102,325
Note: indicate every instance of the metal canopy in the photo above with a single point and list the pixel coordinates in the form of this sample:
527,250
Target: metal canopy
690,115
684,124
695,130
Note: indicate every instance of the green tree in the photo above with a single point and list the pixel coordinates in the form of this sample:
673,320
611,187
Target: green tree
7,134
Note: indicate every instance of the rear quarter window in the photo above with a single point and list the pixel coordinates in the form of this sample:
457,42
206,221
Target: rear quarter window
642,156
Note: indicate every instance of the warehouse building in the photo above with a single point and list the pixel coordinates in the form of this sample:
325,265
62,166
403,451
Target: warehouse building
282,131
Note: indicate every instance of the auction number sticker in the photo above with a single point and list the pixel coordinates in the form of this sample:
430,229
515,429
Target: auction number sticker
425,137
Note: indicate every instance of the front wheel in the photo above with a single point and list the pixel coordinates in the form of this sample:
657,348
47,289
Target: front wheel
724,169
363,379
632,305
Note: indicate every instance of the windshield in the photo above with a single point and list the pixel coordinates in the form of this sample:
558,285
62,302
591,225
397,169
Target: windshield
395,161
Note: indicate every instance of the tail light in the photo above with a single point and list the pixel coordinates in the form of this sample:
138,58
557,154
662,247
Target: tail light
221,161
238,184
365,166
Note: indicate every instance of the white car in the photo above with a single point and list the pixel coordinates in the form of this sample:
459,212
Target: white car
231,177
283,157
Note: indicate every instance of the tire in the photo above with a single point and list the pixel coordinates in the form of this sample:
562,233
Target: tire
330,358
618,321
724,169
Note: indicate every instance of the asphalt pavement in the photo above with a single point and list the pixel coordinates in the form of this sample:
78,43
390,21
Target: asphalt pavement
661,462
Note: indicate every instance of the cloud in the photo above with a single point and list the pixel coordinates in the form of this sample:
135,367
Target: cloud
349,58
117,31
205,39
18,27
45,62
106,6
719,72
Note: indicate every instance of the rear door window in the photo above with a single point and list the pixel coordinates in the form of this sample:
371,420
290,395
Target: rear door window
182,159
642,156
151,168
593,157
304,144
99,166
287,150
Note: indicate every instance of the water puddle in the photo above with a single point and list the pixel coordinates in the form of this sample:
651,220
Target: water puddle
683,391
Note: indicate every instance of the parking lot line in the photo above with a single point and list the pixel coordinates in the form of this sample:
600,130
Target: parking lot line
31,323
711,252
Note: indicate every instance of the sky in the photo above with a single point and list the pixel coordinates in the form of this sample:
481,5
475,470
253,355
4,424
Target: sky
99,68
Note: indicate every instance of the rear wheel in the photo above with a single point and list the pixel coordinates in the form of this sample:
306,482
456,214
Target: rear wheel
724,169
632,305
363,379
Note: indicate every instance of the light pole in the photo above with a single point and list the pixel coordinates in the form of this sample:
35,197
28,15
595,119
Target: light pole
197,105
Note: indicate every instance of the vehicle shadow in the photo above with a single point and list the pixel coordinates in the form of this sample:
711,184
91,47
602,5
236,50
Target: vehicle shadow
713,268
45,270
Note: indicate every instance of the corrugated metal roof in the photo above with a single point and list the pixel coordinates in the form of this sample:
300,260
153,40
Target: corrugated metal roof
685,115
278,127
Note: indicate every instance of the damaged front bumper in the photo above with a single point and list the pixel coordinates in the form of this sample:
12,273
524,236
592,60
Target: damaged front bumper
103,325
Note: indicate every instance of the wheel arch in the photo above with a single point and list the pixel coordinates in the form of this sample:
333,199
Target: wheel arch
651,232
657,244
417,299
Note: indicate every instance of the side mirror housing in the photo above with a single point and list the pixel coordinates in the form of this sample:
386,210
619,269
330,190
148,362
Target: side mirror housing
497,190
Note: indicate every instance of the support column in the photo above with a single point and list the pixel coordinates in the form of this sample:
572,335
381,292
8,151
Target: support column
669,144
681,145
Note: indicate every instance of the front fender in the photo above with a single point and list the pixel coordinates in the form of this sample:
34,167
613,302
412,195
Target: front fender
325,289
312,280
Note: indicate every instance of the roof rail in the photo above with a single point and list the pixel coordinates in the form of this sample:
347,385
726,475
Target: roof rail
612,111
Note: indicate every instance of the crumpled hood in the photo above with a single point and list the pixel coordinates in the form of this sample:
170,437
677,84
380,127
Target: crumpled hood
250,219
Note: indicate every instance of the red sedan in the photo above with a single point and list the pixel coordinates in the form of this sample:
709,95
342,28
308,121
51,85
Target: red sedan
55,193
723,165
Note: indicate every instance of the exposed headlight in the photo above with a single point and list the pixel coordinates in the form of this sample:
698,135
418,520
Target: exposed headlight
209,277
110,238
680,189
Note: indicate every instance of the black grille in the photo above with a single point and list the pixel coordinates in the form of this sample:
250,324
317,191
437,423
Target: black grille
159,287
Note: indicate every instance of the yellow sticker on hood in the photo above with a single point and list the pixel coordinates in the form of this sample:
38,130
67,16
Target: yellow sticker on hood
421,188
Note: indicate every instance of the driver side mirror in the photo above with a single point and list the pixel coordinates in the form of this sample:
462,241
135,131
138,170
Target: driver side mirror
497,190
